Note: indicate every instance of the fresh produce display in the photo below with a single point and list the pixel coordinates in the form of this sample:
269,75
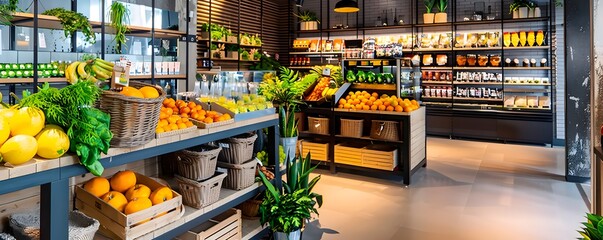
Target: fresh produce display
53,142
247,103
71,109
90,70
322,85
334,71
369,77
125,194
175,115
25,70
263,156
143,92
366,101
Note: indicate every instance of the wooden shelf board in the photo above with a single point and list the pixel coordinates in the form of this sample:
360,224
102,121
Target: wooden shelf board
432,50
478,83
253,46
478,68
370,86
367,138
159,76
478,99
527,68
479,49
526,48
30,80
436,98
436,82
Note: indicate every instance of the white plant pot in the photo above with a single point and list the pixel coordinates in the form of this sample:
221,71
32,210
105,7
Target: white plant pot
289,146
523,12
515,14
530,13
441,17
428,18
291,236
537,12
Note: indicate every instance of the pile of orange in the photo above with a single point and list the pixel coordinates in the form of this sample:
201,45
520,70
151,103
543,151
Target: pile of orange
193,111
124,193
172,117
366,101
143,92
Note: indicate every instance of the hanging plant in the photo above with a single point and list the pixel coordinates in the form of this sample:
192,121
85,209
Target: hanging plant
119,16
73,21
7,10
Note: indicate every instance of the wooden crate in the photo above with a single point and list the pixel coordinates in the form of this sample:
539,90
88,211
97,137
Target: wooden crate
348,154
384,157
318,151
226,226
116,225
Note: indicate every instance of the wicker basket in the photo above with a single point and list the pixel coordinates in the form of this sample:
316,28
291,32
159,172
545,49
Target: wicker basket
239,175
385,130
351,128
250,208
318,125
197,163
133,120
27,225
199,194
237,149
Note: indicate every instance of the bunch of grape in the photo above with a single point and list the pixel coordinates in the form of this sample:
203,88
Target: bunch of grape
263,156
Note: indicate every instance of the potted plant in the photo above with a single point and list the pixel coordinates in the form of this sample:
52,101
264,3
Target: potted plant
255,54
307,20
442,16
519,8
232,51
429,16
244,55
592,227
534,10
285,210
230,38
217,50
288,130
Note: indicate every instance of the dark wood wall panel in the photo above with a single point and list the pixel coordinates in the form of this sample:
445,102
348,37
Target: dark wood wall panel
267,18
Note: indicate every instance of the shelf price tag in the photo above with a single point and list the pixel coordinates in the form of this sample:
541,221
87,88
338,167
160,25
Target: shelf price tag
326,72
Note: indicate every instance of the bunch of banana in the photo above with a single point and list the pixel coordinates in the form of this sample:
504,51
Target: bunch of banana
329,92
91,70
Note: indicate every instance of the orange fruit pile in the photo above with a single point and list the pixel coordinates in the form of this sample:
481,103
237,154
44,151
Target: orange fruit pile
366,101
124,193
193,111
143,92
172,117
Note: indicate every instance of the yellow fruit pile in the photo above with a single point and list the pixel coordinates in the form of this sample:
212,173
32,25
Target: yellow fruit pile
143,92
125,194
365,101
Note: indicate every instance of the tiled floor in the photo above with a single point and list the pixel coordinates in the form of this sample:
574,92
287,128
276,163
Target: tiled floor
469,191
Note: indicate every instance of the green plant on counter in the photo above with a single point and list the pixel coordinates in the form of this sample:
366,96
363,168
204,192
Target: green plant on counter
429,4
7,11
266,63
518,4
285,210
72,22
244,54
284,89
307,16
443,5
119,16
593,227
288,123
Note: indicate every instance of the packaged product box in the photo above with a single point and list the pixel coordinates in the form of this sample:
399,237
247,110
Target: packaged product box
164,68
158,66
170,67
146,68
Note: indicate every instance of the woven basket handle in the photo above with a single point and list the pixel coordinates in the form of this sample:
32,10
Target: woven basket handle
381,127
214,185
184,160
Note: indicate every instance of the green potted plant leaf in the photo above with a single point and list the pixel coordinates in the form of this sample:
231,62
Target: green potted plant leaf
244,55
119,16
285,210
307,20
72,22
217,50
593,227
428,16
519,8
230,38
442,16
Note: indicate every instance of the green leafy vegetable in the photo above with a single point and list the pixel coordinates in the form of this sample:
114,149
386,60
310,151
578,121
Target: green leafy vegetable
72,22
72,108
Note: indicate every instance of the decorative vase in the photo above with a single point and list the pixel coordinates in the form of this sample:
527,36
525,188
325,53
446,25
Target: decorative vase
289,146
428,18
523,12
441,17
537,12
296,235
515,14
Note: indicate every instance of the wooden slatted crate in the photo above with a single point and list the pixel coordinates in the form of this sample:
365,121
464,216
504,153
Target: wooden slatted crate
318,151
379,156
117,225
226,226
349,154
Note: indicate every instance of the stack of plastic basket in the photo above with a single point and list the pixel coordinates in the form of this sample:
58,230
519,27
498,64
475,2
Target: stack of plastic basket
237,158
197,178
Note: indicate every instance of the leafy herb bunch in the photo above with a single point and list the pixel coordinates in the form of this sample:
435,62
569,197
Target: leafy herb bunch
119,15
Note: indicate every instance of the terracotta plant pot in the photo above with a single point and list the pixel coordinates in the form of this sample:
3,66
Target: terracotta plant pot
441,17
428,18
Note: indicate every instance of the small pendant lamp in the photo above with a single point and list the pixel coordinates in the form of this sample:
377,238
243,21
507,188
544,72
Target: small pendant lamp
346,6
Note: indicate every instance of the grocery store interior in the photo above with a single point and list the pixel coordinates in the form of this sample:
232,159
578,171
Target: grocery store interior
301,119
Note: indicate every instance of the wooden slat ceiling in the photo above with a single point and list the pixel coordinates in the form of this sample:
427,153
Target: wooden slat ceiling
267,18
